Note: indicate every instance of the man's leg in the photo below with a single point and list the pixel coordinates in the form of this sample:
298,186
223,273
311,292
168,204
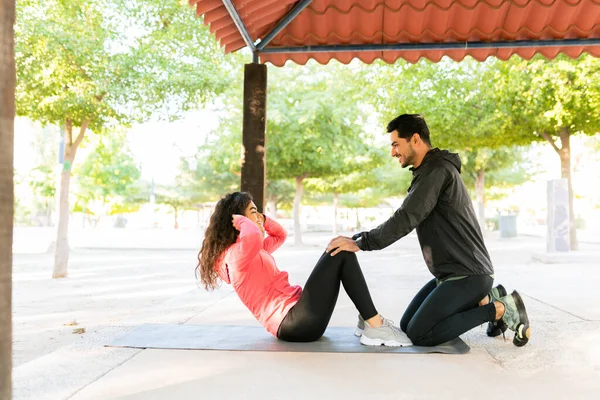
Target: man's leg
416,303
308,319
450,310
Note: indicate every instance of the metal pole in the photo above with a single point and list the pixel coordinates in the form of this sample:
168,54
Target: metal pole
237,20
298,8
434,46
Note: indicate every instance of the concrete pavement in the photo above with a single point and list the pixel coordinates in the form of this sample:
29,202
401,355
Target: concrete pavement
109,292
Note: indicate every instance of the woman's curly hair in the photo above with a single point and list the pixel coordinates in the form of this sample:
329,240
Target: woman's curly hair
219,235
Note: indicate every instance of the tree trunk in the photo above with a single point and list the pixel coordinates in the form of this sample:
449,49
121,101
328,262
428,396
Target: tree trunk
272,207
565,171
7,117
358,226
176,224
297,201
479,189
48,214
61,256
335,212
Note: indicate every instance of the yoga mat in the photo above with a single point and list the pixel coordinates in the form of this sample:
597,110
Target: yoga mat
256,338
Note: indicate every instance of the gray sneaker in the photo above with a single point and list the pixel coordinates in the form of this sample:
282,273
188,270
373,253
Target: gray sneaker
360,326
496,328
386,335
497,293
515,316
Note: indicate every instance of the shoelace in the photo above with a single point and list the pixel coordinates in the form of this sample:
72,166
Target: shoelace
389,322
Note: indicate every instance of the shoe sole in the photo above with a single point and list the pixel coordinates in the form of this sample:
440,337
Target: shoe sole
497,328
380,342
523,332
358,332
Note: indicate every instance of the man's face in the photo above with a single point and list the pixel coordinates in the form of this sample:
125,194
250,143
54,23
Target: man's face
402,149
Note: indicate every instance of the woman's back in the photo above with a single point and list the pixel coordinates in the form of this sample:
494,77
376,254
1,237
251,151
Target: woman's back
250,268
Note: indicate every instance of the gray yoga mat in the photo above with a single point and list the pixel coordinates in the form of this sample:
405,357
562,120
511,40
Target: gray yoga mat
256,338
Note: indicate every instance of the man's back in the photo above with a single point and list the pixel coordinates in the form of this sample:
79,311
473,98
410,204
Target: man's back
450,236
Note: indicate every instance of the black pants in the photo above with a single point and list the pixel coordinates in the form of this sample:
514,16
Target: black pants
441,313
307,320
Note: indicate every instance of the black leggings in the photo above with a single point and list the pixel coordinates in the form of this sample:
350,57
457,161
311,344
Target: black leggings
307,320
441,313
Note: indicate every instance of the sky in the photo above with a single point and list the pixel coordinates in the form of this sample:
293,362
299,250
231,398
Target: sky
157,146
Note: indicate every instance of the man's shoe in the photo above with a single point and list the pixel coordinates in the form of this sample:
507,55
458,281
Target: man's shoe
360,326
386,335
496,328
515,317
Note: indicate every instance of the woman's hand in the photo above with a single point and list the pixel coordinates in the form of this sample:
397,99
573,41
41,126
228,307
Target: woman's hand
260,221
234,220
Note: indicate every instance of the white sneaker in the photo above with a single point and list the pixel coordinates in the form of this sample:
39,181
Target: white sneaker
387,335
360,326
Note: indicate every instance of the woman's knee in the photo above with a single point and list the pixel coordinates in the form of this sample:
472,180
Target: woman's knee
345,255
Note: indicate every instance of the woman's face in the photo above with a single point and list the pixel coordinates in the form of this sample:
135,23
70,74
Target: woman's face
256,217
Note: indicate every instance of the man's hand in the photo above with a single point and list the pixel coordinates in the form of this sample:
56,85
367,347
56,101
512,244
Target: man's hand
342,243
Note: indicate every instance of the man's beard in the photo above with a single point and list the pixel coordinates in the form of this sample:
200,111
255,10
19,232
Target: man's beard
409,159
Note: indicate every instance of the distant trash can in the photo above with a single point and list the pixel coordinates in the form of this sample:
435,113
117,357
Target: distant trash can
508,225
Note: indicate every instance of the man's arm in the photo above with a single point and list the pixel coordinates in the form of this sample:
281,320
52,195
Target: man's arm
420,201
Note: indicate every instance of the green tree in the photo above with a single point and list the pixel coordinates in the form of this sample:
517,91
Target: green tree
93,64
315,128
42,178
280,194
349,181
498,168
171,195
107,177
548,100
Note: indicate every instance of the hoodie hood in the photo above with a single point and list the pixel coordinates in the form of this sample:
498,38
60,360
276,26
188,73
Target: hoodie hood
452,158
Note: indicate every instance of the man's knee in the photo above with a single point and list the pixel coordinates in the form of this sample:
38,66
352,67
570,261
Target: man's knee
417,336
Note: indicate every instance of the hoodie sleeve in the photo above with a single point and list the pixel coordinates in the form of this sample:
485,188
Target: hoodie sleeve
249,244
422,198
277,235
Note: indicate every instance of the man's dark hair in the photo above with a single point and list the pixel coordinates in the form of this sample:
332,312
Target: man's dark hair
409,124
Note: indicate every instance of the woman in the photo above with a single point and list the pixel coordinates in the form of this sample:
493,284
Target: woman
235,251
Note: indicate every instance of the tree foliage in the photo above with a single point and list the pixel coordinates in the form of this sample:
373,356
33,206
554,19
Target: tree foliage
103,63
108,176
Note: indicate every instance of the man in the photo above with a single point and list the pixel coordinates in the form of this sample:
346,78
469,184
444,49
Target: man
460,297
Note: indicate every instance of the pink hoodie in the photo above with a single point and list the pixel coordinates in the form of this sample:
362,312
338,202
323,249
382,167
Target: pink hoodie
249,266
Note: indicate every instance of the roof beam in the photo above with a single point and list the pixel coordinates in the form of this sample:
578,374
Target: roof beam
289,17
237,20
512,44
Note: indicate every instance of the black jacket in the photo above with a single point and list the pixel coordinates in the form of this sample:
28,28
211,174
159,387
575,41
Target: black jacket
439,207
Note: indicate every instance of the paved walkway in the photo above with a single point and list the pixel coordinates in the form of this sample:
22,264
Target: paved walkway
111,291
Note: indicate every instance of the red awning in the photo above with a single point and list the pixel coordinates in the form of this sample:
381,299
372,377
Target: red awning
415,22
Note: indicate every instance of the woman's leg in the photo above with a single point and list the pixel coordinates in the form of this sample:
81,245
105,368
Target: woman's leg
416,303
308,319
450,310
